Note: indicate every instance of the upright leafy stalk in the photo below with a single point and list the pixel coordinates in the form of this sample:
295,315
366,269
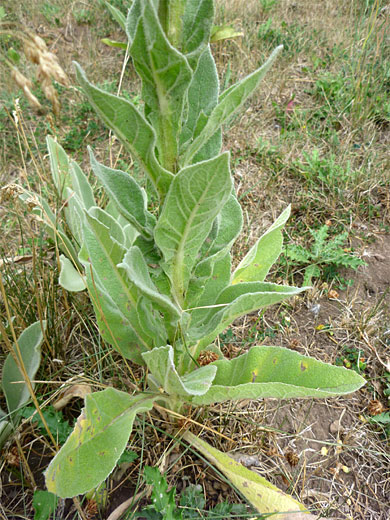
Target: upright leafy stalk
161,280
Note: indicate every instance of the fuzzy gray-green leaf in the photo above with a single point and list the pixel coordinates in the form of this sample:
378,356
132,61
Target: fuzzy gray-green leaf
197,23
160,362
258,261
96,443
230,101
137,272
195,198
201,100
70,279
130,127
14,387
165,75
235,301
278,372
127,195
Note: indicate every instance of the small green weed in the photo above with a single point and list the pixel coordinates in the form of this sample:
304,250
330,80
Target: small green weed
191,503
352,358
326,171
382,420
267,5
44,503
324,257
58,425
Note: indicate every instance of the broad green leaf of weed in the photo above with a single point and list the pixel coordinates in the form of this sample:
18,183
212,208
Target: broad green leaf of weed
58,426
127,456
44,504
163,500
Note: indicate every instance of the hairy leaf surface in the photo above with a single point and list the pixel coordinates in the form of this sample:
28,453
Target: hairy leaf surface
230,101
130,127
127,195
70,279
195,198
197,22
277,372
28,354
263,495
255,266
235,301
161,364
165,75
96,443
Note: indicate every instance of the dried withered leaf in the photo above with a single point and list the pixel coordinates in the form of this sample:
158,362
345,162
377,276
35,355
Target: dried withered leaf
78,390
333,295
375,407
292,458
206,357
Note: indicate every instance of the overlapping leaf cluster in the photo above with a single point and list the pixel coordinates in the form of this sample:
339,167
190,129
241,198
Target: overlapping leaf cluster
161,281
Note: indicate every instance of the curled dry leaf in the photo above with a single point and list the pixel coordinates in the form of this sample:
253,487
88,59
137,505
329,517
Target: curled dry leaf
333,295
21,259
71,392
375,407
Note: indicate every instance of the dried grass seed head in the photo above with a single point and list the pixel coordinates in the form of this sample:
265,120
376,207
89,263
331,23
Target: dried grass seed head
20,79
31,51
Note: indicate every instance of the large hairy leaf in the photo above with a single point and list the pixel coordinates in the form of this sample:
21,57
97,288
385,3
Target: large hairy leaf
277,372
197,22
255,266
137,271
104,253
116,324
263,495
165,75
59,165
127,195
201,100
29,355
81,186
130,127
70,279
195,198
230,101
233,302
161,364
226,228
96,443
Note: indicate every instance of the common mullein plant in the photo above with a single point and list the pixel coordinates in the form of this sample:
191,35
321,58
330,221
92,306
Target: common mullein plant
161,280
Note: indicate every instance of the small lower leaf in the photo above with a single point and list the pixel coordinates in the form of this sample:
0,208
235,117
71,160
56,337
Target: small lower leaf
96,443
29,355
44,504
160,362
70,279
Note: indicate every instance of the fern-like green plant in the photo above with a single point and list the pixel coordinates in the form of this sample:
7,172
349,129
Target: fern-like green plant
325,253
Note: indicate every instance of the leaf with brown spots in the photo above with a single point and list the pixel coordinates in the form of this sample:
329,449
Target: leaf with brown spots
277,372
96,443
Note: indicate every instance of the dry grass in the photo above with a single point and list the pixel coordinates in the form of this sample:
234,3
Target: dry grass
327,453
